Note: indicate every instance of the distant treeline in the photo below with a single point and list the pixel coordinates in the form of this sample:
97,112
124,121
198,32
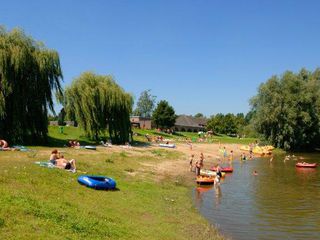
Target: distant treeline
285,112
229,124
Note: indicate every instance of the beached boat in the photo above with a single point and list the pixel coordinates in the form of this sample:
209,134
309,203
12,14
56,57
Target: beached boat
167,145
205,180
97,182
245,148
210,173
90,147
306,165
260,150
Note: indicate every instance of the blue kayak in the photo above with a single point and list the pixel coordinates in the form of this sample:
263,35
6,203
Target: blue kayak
97,182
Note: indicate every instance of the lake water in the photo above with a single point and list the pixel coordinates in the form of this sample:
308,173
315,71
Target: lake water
281,202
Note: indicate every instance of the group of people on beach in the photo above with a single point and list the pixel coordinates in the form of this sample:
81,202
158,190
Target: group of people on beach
73,143
199,164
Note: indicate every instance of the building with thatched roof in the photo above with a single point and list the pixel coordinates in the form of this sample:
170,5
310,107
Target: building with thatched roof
190,124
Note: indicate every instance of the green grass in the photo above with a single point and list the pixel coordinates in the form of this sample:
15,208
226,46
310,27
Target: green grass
181,137
58,139
42,203
75,133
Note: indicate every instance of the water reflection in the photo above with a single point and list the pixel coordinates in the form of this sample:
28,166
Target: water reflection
281,202
218,194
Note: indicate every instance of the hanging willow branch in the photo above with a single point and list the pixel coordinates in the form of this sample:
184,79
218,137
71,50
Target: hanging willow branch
98,104
28,74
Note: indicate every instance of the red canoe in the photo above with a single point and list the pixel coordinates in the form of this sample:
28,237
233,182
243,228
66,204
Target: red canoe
306,165
223,169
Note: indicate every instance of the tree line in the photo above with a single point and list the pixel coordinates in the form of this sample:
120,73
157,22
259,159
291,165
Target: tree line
31,75
285,111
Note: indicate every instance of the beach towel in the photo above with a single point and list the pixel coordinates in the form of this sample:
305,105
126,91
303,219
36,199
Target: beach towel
45,164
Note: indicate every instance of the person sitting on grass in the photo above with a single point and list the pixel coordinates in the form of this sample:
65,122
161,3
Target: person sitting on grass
54,156
74,143
105,144
65,164
4,145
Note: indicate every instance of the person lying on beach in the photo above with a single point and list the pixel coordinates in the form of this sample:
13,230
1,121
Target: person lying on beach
65,164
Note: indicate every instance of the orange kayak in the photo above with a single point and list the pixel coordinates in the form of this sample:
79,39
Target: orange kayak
205,180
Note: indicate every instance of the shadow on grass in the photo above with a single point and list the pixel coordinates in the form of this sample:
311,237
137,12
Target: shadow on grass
162,134
179,134
140,144
56,142
106,190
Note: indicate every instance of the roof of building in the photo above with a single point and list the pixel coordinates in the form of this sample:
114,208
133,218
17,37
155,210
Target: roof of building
141,118
189,121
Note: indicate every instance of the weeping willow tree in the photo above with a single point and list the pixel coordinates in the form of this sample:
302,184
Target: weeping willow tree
99,104
29,72
286,110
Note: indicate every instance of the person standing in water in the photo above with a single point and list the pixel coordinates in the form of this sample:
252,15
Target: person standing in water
218,171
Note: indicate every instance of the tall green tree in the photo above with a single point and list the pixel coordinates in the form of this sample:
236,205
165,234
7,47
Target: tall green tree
99,104
287,109
145,104
164,115
29,73
226,124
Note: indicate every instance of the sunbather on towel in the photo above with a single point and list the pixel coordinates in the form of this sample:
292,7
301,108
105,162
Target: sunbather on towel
65,164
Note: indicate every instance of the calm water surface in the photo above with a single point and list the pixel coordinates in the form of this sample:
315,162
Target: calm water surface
282,202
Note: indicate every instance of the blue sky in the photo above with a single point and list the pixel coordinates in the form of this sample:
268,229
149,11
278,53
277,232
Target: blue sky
201,56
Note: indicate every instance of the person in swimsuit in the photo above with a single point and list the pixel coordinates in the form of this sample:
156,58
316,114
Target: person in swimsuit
218,170
198,167
65,164
54,156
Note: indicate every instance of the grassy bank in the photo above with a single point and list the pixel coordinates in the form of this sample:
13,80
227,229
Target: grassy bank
181,137
41,203
59,139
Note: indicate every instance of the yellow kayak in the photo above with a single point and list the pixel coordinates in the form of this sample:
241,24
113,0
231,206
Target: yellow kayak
245,148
